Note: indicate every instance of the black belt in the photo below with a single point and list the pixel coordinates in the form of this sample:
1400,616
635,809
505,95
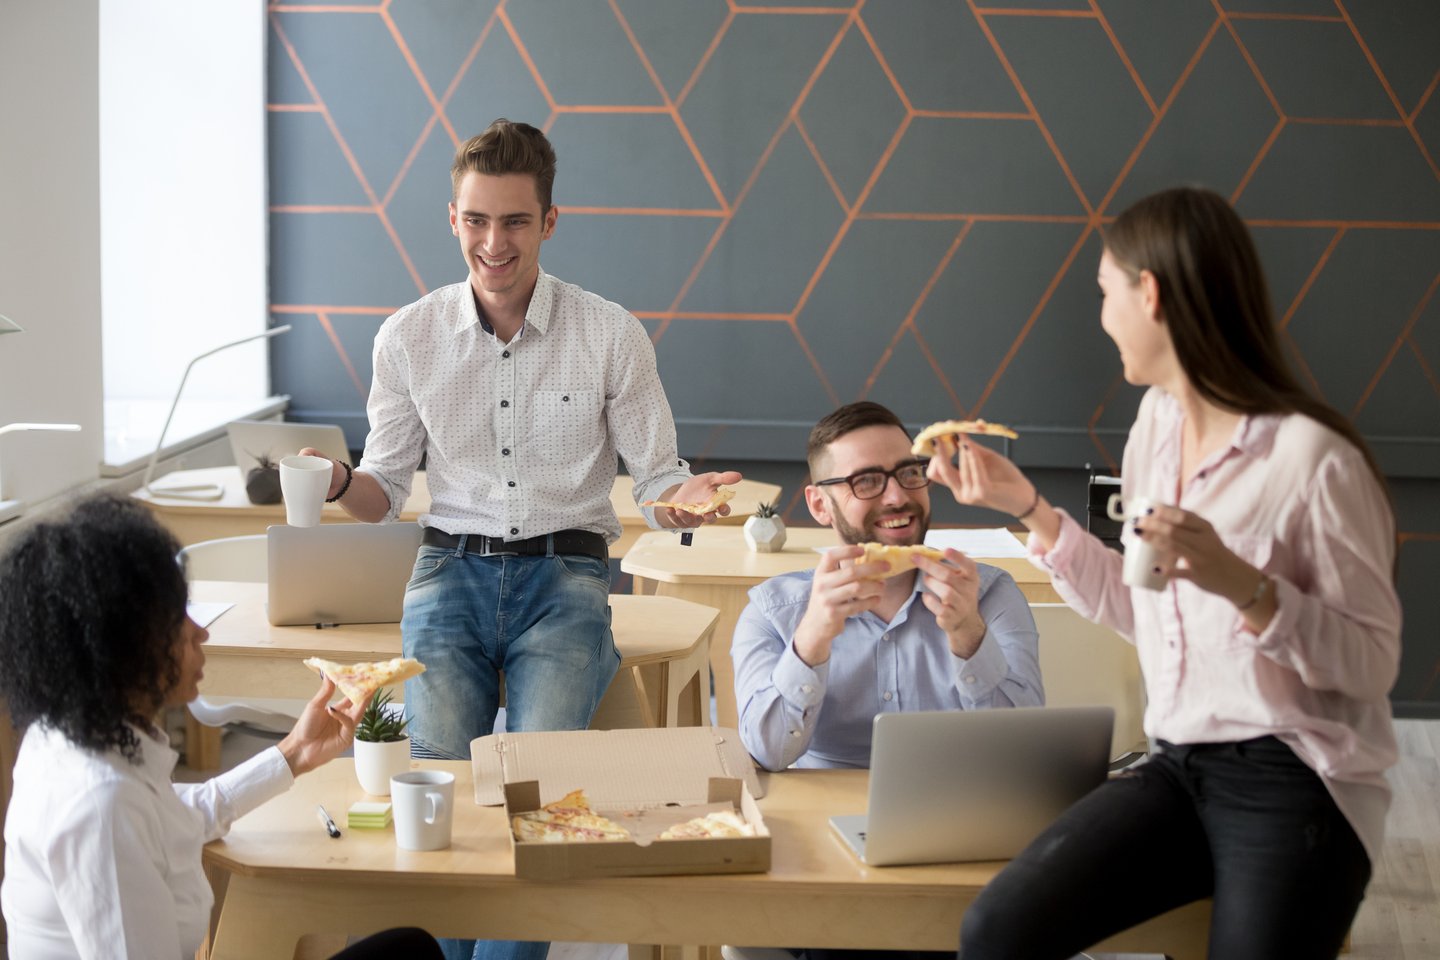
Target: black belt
583,542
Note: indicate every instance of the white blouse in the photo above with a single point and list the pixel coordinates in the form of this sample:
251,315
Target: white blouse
102,856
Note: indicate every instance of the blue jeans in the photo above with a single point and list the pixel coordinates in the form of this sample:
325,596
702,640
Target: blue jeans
543,621
1246,823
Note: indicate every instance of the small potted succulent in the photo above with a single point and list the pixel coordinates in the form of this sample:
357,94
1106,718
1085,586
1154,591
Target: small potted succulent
765,531
382,747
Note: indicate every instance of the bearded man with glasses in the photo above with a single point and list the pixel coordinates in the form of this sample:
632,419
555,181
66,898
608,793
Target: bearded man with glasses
819,653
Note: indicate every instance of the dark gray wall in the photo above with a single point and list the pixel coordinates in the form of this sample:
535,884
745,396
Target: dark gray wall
810,203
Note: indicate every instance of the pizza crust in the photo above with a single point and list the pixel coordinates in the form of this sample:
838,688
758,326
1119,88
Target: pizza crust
720,823
722,495
359,681
900,558
924,445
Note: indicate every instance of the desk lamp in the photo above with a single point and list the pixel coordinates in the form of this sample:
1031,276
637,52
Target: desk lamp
194,491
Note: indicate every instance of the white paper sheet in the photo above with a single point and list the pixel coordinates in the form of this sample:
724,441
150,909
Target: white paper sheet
991,543
206,613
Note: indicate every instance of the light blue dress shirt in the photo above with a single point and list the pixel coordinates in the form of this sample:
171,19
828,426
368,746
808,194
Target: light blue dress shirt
791,713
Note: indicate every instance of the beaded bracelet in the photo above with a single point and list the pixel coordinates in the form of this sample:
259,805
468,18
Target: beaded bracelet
349,475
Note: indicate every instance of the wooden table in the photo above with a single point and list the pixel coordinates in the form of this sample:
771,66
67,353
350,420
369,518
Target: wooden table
286,878
662,643
233,515
718,570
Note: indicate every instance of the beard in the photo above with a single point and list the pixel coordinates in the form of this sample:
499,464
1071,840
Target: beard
865,533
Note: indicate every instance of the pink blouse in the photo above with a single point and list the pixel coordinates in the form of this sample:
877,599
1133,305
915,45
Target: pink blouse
1297,500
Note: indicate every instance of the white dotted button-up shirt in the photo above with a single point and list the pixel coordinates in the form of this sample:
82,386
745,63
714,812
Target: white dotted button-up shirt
520,438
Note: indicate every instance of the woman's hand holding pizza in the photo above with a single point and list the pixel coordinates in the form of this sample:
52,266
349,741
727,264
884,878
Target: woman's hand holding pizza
837,591
980,477
952,593
323,732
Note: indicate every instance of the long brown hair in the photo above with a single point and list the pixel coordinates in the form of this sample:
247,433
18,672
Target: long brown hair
1216,305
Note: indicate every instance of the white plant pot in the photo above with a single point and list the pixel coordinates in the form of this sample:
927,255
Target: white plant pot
376,763
765,534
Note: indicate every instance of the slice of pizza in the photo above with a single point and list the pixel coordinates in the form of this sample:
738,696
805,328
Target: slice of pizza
721,495
567,820
925,440
900,558
358,681
720,823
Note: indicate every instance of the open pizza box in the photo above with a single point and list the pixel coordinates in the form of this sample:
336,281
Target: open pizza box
646,780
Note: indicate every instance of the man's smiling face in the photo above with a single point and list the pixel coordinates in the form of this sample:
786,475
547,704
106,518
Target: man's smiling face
500,227
897,516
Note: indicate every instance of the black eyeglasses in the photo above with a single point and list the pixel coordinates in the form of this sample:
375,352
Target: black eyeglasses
869,484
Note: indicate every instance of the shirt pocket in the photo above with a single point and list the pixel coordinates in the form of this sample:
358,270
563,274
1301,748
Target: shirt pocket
566,425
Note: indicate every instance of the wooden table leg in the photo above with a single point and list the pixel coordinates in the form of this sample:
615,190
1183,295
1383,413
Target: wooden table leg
202,745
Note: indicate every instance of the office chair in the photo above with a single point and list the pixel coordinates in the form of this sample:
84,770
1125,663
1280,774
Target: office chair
1086,664
244,559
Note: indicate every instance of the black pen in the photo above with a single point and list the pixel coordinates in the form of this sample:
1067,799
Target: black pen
330,827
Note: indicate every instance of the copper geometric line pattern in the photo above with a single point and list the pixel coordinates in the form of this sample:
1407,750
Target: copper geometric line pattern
852,17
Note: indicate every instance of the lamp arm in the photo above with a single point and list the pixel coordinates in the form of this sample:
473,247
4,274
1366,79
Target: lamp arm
160,443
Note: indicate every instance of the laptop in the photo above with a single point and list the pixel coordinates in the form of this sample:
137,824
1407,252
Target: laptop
338,573
252,439
950,786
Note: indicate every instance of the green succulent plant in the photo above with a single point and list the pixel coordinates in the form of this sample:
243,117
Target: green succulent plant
379,725
767,510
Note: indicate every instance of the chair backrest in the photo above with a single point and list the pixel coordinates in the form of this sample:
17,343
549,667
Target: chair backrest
245,559
1086,664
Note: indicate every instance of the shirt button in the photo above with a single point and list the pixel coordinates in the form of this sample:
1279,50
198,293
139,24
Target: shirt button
510,483
514,530
806,688
970,679
565,399
506,354
889,696
505,451
504,403
885,638
795,733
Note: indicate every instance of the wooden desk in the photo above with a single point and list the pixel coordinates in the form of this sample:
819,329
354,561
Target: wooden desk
233,515
287,879
662,643
718,570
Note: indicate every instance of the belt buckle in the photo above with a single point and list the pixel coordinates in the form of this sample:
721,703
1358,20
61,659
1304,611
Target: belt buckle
488,552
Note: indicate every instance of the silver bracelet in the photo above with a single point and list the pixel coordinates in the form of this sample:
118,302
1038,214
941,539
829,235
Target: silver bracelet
1261,588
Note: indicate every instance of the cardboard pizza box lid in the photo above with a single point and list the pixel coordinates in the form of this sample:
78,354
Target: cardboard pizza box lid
615,767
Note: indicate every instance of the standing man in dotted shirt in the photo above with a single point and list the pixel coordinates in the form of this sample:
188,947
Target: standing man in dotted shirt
519,390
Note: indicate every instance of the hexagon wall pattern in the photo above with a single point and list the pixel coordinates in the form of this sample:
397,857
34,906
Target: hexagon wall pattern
809,203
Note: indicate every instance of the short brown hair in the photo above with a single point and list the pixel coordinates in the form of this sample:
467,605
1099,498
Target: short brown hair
848,419
507,147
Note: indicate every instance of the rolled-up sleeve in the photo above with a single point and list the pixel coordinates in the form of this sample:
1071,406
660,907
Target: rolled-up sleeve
640,420
397,435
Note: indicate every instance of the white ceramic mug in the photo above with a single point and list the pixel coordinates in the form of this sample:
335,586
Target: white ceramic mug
422,802
1141,558
304,481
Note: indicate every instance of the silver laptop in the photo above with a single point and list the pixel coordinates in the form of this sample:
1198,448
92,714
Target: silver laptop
340,573
252,439
951,786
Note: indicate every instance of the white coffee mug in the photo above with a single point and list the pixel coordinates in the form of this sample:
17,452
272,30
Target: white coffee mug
304,481
1141,559
422,803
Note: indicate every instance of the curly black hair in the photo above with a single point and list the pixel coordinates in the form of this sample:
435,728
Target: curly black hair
92,608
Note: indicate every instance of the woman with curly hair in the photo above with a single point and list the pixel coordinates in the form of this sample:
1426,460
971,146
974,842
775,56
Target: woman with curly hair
1267,652
102,851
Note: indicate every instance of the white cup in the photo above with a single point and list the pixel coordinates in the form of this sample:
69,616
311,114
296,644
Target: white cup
422,802
304,481
1141,558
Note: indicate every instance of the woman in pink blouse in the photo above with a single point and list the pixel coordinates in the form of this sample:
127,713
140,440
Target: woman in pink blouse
1268,654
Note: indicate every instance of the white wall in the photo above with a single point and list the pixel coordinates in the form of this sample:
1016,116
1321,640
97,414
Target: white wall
50,243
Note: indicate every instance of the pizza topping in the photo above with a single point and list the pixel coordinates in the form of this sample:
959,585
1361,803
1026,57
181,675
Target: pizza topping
900,558
567,820
720,823
925,441
721,496
358,681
